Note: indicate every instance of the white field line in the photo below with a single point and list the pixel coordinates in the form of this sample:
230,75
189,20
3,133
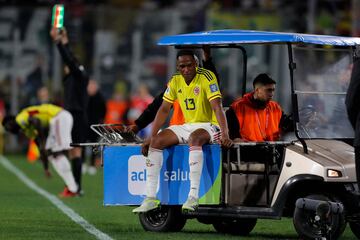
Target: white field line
54,200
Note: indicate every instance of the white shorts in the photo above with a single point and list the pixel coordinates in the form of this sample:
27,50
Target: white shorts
183,131
59,137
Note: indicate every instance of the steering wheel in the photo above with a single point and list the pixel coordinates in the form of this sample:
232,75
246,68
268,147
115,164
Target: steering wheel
308,121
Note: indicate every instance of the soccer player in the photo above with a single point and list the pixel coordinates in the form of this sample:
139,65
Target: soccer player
198,94
50,126
177,117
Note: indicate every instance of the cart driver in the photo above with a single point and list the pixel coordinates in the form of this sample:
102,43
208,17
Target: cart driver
198,94
256,117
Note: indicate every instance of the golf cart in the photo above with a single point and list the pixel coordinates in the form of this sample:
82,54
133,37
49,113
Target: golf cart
309,175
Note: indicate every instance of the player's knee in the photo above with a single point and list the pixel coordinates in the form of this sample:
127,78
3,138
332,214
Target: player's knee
158,142
197,140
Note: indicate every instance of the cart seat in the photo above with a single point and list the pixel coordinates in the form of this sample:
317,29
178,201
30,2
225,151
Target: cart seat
245,167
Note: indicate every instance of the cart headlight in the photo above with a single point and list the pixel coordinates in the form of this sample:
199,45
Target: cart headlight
331,173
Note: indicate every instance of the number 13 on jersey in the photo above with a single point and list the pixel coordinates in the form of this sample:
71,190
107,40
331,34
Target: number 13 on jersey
190,104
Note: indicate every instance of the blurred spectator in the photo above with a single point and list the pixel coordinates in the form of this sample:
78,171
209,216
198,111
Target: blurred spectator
138,104
97,106
43,95
118,105
33,82
96,111
227,98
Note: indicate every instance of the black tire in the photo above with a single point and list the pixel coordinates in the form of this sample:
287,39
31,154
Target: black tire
206,220
241,227
308,228
163,219
355,228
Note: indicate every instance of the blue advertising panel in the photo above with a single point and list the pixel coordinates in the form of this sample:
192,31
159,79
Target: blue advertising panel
125,175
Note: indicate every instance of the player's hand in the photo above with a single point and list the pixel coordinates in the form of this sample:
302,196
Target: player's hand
239,140
226,141
132,128
145,147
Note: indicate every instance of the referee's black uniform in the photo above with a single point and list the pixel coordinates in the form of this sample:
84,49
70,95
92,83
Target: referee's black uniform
75,101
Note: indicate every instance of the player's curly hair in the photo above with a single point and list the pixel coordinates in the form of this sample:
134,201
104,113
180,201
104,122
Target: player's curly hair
185,52
10,124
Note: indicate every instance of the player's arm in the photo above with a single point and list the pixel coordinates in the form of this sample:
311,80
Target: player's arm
43,154
62,41
214,97
159,121
36,124
75,67
160,117
162,113
220,116
40,140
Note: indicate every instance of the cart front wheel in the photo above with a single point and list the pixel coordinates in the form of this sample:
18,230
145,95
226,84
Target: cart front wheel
163,219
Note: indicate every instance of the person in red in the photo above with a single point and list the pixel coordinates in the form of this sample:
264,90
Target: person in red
117,106
255,116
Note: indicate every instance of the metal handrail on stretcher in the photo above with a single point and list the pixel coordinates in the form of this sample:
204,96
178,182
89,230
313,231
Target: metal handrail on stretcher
114,133
111,134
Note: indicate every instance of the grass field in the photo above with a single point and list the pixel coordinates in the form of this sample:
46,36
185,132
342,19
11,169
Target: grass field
24,214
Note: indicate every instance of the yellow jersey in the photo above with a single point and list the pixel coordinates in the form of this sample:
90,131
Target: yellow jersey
194,99
43,112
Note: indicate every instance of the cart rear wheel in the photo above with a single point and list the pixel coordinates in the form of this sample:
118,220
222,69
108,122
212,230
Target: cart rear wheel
240,227
163,219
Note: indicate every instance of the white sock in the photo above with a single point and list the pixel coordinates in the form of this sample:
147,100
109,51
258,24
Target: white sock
154,163
196,165
62,166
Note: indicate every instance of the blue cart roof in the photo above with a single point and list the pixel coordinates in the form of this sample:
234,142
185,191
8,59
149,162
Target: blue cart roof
226,37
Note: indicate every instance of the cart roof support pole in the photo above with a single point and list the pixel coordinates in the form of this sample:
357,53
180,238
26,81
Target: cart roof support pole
292,66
